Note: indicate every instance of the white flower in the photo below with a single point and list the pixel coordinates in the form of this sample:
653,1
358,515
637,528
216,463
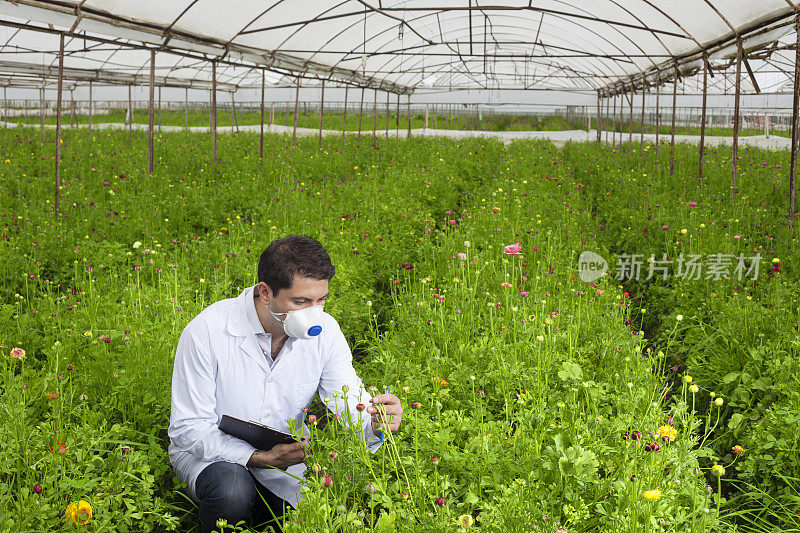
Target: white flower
137,244
679,318
369,303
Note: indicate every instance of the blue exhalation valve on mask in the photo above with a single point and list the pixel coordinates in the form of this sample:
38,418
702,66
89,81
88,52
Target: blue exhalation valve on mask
303,323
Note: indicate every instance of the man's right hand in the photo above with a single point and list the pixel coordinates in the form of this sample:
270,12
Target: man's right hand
281,456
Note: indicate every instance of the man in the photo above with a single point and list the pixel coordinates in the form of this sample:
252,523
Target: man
262,356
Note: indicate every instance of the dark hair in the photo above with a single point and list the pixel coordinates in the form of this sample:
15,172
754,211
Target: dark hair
293,254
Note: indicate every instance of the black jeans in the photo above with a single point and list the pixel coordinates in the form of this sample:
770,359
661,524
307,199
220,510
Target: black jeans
230,492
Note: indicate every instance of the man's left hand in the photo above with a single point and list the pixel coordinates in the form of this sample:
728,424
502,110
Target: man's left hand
385,407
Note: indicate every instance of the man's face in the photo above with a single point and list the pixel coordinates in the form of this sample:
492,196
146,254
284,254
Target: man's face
303,293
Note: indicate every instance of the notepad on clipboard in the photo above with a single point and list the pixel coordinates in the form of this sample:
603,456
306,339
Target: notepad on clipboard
257,435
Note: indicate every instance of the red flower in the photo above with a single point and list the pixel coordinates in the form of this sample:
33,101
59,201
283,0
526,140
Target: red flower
440,501
59,447
327,482
361,407
312,419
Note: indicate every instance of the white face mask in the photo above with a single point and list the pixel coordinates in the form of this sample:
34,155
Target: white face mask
303,323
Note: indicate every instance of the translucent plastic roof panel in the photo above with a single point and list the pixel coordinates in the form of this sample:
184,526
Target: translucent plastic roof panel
407,45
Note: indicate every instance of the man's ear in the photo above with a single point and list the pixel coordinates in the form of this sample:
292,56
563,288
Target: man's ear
264,292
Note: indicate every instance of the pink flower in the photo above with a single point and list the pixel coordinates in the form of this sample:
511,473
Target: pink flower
312,419
18,353
327,482
692,204
462,255
523,293
664,227
512,249
451,222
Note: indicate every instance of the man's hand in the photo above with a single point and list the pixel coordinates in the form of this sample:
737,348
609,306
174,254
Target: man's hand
385,407
281,456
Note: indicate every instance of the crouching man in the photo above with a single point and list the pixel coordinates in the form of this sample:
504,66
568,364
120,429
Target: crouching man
262,356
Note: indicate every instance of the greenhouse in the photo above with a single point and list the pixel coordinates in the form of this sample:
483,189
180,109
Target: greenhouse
374,265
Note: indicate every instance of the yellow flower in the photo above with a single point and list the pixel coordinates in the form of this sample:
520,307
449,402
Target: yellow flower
718,470
87,333
668,431
652,495
79,513
687,378
693,389
466,520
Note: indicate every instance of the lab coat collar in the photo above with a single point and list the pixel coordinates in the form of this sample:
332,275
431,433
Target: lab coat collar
238,325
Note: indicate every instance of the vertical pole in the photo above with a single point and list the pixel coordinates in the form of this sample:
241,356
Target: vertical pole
434,116
408,114
630,120
613,122
232,112
58,123
608,108
150,113
5,109
344,119
152,76
360,114
130,111
186,109
397,118
621,116
641,125
72,118
91,108
795,126
599,118
41,110
321,114
374,114
672,131
658,111
233,108
214,110
703,123
388,95
261,123
735,154
425,127
271,114
296,103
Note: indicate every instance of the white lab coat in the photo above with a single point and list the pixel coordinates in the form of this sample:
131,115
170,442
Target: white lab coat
220,369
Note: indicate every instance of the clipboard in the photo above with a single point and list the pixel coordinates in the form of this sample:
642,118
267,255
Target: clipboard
257,435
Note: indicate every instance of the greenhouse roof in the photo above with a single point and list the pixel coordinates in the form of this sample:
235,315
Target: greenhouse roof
609,46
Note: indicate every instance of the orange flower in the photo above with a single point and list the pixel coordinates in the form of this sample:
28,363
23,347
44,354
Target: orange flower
439,381
52,395
738,449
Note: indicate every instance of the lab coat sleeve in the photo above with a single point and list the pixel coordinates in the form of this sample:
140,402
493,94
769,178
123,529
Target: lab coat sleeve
193,420
337,372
